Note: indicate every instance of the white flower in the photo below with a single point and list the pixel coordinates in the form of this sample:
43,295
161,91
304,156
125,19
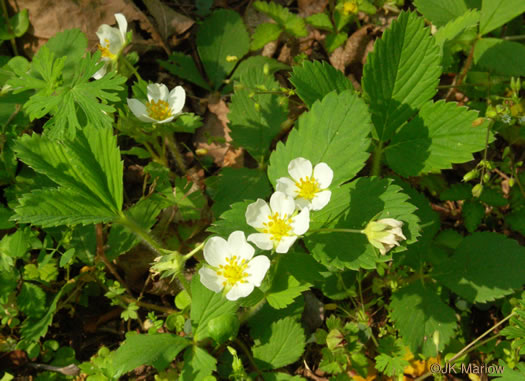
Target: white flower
278,227
384,234
232,266
112,41
308,186
161,106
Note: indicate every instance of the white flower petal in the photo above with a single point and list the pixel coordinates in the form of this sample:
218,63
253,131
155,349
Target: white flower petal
210,279
216,251
285,243
324,175
239,290
282,204
110,38
257,213
102,71
301,222
321,199
257,269
176,100
392,222
300,168
261,240
239,246
157,91
301,203
287,186
122,25
137,107
165,120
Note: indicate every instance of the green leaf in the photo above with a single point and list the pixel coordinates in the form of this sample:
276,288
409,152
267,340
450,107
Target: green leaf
284,346
221,35
236,184
144,213
473,212
198,364
183,66
207,305
493,197
457,192
87,170
500,57
334,40
508,374
485,267
231,220
18,25
454,28
421,317
352,206
442,134
338,123
440,12
516,220
409,80
320,21
71,44
265,33
157,350
285,288
266,315
269,65
314,80
31,300
5,215
74,103
290,22
495,13
255,116
391,359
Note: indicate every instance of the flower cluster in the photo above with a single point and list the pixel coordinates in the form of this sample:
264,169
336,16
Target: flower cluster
279,223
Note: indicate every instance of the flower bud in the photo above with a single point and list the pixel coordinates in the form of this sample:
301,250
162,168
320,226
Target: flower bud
384,234
471,175
486,177
476,191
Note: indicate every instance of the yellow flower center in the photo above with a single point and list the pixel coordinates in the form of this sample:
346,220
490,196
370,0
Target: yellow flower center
158,110
308,187
350,7
278,227
106,53
233,271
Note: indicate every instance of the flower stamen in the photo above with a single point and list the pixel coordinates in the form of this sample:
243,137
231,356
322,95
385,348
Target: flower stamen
106,53
278,227
159,110
307,188
233,272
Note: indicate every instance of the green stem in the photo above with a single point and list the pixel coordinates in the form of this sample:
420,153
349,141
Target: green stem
9,30
141,233
193,252
172,147
376,161
335,230
514,38
131,67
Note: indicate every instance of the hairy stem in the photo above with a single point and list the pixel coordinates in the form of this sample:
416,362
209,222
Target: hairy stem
172,147
376,160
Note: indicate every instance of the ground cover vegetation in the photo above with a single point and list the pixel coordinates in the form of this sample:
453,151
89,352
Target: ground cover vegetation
283,190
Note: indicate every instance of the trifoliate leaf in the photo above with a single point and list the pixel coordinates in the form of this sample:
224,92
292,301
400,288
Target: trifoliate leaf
256,114
284,346
314,80
485,267
157,350
352,206
425,322
207,305
221,36
87,170
440,12
290,22
236,184
335,131
408,81
441,135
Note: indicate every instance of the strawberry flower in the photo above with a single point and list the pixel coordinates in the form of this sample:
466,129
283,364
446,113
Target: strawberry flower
308,185
112,42
162,106
231,266
277,223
